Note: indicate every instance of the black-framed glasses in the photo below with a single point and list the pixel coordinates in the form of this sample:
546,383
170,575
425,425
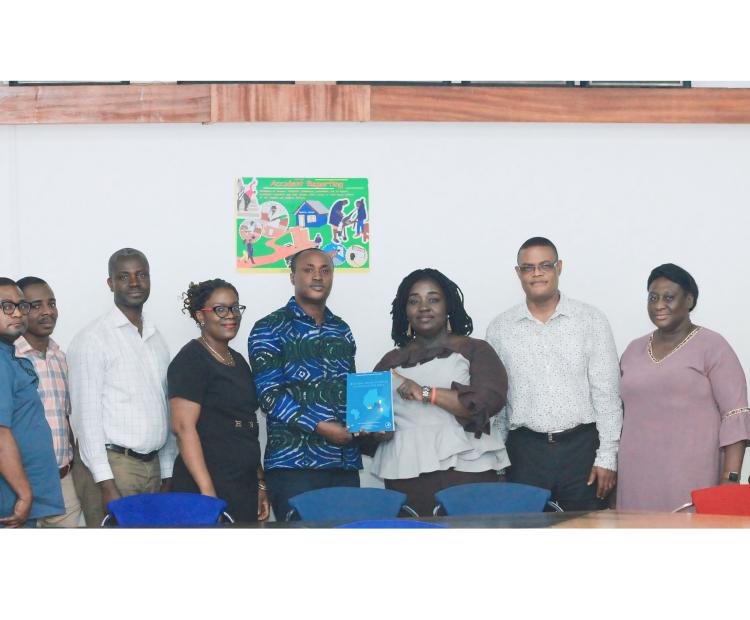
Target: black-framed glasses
9,307
544,267
223,311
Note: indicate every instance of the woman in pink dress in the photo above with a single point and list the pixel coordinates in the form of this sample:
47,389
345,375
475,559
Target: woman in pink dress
686,418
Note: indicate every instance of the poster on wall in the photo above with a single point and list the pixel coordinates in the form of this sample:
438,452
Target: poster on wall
276,217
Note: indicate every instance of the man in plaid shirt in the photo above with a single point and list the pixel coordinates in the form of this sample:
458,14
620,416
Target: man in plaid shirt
52,369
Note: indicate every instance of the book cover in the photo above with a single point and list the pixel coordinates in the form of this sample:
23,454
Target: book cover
369,402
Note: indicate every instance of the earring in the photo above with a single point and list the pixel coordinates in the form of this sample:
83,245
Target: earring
203,323
409,332
448,327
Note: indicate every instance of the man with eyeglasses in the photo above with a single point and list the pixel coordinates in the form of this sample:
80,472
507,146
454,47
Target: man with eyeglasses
29,479
37,346
118,372
300,356
564,410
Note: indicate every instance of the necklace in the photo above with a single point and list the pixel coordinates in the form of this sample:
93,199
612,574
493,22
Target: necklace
685,340
220,358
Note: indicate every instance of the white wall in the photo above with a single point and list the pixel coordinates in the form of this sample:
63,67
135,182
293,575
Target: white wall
617,200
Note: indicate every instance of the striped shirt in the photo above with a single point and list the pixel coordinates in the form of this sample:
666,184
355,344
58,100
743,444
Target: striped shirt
52,370
300,373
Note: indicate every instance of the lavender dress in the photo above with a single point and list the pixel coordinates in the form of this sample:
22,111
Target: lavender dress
679,412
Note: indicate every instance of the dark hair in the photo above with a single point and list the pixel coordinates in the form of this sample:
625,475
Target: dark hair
28,281
293,259
195,297
459,321
675,273
7,282
536,242
124,253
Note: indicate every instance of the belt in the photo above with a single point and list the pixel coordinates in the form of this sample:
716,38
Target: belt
64,470
128,452
555,436
249,424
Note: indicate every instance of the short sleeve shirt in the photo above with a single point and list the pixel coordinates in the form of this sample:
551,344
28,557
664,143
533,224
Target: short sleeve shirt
22,412
227,426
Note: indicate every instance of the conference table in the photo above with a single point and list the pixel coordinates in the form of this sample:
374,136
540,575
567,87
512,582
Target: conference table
604,519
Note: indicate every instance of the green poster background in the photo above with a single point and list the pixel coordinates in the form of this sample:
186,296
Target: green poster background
275,217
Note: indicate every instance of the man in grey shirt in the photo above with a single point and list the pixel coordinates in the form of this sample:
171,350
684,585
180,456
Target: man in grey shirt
564,410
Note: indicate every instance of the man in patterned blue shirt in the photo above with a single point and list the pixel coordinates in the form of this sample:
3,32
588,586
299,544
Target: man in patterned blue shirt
300,355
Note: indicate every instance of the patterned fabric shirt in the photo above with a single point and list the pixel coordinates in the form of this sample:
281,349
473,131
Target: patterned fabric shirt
561,373
52,370
300,373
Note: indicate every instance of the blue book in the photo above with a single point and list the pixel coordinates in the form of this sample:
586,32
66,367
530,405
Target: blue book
369,402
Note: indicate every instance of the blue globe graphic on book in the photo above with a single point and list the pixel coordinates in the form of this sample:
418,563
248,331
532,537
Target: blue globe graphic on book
369,406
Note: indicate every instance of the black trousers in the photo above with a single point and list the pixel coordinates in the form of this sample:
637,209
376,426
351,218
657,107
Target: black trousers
286,483
562,466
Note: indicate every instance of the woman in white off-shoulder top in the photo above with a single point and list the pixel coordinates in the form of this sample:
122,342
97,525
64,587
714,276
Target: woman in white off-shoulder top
447,387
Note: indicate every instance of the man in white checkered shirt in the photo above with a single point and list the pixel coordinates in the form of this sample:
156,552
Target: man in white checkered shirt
118,388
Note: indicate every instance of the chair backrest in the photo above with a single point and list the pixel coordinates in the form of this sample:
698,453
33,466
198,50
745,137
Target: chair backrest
350,503
491,498
166,510
726,499
397,524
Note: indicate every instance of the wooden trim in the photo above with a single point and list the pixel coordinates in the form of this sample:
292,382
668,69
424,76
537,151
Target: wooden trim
291,102
561,105
220,103
132,103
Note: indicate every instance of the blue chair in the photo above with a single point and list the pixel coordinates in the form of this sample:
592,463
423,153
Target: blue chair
348,503
166,510
492,498
396,524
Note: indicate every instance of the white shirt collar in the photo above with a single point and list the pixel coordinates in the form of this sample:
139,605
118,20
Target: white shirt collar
117,318
563,308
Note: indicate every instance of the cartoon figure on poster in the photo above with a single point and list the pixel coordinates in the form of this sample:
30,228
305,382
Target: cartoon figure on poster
274,219
250,232
362,229
337,253
278,217
247,197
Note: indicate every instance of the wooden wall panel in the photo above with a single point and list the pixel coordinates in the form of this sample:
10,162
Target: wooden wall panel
203,103
561,105
233,103
132,103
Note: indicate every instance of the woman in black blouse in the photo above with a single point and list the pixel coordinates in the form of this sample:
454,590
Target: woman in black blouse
213,403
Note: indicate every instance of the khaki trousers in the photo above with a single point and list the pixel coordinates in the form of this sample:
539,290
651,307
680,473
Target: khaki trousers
72,516
131,477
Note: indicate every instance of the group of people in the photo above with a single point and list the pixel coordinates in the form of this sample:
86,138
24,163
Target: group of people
540,401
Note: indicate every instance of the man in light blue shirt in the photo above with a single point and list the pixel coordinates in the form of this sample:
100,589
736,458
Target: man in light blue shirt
29,477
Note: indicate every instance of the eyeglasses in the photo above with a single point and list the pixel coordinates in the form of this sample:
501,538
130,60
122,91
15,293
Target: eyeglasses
223,311
544,267
9,307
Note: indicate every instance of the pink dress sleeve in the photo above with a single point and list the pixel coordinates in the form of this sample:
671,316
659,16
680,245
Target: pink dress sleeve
730,393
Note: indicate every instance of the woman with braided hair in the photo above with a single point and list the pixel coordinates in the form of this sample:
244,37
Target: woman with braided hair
213,402
448,386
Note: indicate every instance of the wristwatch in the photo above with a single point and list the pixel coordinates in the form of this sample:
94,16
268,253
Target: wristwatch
426,389
733,476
